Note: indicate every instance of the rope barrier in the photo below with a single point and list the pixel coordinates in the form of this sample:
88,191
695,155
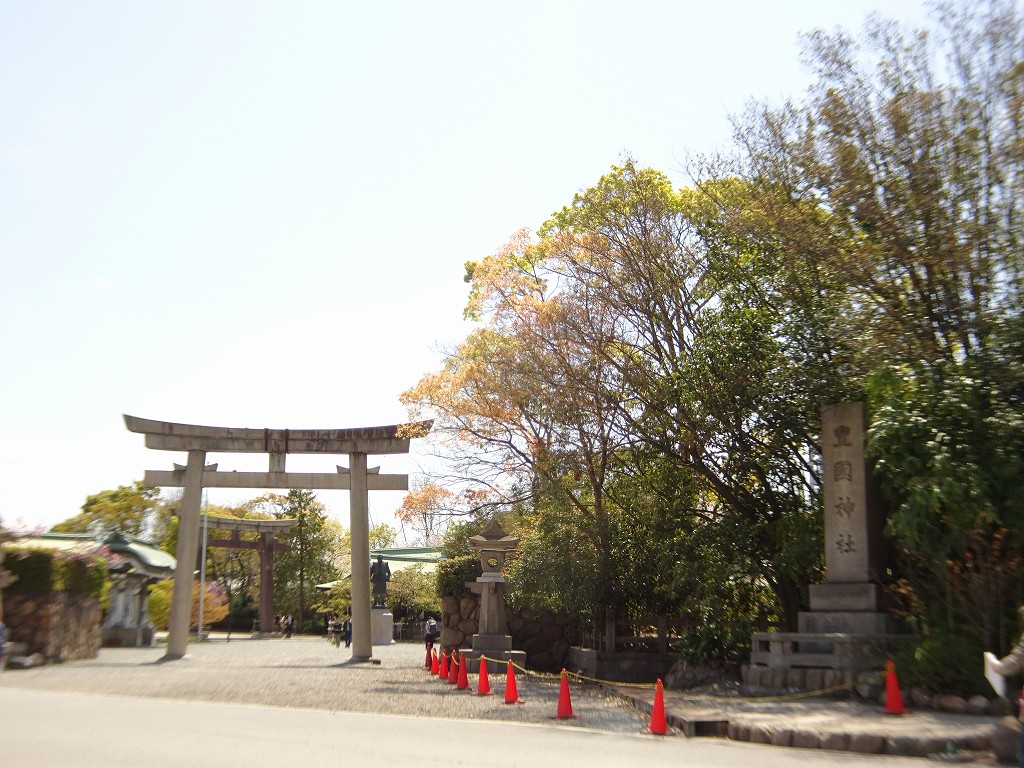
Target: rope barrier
547,677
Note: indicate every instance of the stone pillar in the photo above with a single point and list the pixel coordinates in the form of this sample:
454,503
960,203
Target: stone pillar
188,546
266,582
850,599
359,527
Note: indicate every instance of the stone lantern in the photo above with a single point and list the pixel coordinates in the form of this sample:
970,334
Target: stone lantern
492,639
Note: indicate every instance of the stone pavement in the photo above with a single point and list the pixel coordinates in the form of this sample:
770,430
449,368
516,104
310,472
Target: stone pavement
308,672
823,723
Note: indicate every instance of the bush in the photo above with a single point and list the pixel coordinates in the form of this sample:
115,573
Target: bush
942,663
41,570
453,573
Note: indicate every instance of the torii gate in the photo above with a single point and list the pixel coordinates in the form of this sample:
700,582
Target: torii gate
197,441
265,545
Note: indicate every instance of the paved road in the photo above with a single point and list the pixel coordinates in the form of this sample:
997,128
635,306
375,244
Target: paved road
55,729
310,698
311,673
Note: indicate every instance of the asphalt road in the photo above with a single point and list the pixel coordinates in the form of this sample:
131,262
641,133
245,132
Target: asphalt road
51,728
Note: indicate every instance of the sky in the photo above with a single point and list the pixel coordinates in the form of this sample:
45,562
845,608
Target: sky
257,214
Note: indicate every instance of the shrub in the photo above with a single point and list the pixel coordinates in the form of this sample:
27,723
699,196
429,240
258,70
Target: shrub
40,571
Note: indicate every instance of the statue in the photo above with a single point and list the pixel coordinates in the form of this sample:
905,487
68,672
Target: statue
380,575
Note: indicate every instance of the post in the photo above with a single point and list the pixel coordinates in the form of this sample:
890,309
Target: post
362,644
188,543
266,582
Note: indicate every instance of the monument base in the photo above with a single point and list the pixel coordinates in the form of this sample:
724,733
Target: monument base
382,626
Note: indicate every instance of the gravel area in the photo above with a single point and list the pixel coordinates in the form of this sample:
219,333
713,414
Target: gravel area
308,672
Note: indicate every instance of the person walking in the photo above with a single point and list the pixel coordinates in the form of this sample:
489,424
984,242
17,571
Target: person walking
1010,664
348,630
430,633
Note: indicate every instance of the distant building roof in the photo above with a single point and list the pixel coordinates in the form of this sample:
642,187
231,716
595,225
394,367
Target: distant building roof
143,556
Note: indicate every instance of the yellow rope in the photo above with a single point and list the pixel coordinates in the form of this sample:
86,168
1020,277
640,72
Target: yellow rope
547,677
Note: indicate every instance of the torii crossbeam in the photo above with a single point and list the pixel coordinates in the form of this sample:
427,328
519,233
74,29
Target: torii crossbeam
197,441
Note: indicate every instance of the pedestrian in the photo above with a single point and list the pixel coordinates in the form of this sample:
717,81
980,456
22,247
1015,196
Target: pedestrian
1010,664
348,630
288,625
430,633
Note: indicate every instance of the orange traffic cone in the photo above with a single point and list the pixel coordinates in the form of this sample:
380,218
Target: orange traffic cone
893,699
442,671
658,725
483,685
434,668
453,669
463,682
564,699
511,692
426,662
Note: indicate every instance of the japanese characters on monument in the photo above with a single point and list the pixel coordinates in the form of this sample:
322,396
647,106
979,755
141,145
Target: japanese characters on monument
844,492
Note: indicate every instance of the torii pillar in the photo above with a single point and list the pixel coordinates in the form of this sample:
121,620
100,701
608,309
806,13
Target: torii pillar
197,441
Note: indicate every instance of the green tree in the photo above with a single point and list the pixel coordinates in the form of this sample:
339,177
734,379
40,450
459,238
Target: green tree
313,554
128,509
413,592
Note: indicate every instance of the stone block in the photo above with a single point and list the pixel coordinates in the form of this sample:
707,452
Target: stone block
814,679
806,739
867,743
844,597
760,734
977,705
836,740
907,746
844,622
738,731
951,703
782,737
1003,740
795,678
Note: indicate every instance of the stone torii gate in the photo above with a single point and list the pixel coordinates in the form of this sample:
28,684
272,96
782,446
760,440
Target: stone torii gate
197,441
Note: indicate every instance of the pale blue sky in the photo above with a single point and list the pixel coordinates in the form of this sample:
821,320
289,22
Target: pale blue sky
256,214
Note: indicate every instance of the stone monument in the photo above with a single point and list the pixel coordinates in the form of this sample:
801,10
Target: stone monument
850,599
846,628
492,639
382,621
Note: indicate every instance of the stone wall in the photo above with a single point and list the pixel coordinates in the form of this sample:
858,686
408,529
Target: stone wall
544,637
59,625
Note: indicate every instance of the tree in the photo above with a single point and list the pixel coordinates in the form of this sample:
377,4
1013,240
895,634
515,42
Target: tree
424,509
215,604
412,593
127,509
313,554
898,182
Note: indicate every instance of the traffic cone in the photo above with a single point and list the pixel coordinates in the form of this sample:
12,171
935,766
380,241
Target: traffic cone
434,668
442,671
463,682
483,685
564,699
453,669
511,692
658,725
893,699
426,662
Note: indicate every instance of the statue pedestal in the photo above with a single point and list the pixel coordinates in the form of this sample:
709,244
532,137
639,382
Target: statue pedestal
382,626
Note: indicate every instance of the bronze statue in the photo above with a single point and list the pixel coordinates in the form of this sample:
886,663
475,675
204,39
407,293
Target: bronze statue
380,575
